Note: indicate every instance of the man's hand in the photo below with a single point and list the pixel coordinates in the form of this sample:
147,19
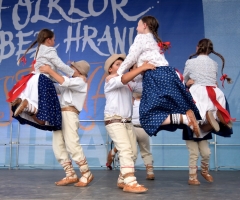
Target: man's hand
146,66
45,69
190,82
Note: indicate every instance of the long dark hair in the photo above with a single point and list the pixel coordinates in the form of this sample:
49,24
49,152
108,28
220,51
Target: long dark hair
153,26
205,46
41,38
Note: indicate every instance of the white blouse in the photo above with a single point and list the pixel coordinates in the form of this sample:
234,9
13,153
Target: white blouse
144,48
48,55
119,97
72,92
135,116
202,69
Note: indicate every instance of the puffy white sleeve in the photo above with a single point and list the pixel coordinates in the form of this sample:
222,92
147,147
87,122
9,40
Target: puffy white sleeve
186,72
58,63
134,52
76,84
113,84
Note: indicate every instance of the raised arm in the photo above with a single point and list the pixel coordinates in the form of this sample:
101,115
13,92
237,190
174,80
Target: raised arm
47,70
133,73
134,52
58,63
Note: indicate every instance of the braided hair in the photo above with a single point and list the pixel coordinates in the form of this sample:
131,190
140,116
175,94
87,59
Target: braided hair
205,46
41,38
153,26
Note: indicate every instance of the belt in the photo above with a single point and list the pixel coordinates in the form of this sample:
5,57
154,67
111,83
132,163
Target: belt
137,125
116,121
71,108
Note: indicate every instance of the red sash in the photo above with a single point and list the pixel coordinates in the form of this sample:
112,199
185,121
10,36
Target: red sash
223,111
18,87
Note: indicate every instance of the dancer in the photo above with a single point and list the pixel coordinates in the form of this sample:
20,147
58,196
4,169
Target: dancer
209,99
73,93
117,116
35,92
165,99
141,136
200,74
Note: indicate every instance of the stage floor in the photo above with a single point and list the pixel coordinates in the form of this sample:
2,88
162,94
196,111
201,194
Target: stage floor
39,184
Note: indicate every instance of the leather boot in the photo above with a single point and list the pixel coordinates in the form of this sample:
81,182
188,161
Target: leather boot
87,176
150,174
221,119
16,102
71,176
205,172
193,123
131,184
193,176
120,182
25,106
110,157
212,121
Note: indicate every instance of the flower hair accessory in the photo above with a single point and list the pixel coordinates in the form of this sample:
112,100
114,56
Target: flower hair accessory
23,60
223,78
164,46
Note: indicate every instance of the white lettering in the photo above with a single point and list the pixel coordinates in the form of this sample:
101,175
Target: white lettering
16,17
92,12
70,38
88,39
119,6
107,38
6,44
1,8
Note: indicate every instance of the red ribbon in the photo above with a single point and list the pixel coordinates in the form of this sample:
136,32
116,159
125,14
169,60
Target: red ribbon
18,87
24,60
223,78
164,44
212,95
33,63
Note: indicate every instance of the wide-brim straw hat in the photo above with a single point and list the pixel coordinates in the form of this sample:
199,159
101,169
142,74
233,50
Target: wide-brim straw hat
111,60
82,66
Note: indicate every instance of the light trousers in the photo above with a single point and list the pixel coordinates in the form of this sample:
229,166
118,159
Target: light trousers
144,145
66,141
125,141
195,148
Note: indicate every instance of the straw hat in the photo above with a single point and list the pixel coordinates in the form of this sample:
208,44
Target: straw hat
111,60
82,66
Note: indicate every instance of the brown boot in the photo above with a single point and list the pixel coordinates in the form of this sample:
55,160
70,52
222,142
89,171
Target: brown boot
71,176
221,119
17,101
193,124
131,184
150,174
205,172
212,121
87,176
193,176
110,157
21,107
120,182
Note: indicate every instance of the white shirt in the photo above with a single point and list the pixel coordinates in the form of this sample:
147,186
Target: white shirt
119,97
73,92
144,48
135,115
202,69
48,55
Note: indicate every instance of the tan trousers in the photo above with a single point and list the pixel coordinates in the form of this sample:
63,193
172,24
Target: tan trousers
66,141
125,141
144,145
195,148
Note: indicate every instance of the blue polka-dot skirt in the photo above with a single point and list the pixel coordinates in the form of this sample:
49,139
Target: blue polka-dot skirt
163,94
48,106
